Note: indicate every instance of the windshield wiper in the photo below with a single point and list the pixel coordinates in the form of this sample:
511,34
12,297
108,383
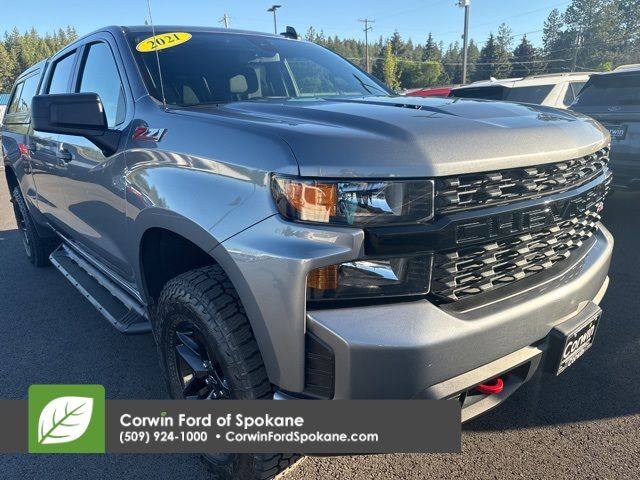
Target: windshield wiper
367,85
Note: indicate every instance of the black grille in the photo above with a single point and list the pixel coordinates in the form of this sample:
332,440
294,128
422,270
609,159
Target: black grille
465,192
473,270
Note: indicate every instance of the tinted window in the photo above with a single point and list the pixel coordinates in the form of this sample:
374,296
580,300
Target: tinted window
611,91
486,93
62,70
533,94
28,91
577,86
15,99
221,67
569,96
572,92
100,75
21,100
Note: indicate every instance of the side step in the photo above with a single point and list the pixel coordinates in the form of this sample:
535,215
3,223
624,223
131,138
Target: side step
123,311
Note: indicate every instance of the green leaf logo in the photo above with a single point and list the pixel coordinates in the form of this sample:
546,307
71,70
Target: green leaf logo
64,419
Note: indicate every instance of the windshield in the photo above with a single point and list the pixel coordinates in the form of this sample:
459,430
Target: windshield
212,68
533,94
618,90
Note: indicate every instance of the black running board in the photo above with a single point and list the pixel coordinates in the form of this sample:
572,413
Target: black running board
123,311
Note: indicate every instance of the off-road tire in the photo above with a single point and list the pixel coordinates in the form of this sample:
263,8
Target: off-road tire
37,248
207,299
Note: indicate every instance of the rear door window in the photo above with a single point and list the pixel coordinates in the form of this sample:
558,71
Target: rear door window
20,106
61,75
614,90
15,99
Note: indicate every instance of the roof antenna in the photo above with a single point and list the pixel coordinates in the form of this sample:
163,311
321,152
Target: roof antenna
153,32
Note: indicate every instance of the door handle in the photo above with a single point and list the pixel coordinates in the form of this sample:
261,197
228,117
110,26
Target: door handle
33,148
65,155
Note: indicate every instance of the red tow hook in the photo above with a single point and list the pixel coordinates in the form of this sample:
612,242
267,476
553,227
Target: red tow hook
491,387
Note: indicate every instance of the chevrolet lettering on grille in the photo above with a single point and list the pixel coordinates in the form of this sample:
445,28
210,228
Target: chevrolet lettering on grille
525,220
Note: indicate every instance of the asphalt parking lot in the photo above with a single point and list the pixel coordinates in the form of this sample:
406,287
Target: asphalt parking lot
584,424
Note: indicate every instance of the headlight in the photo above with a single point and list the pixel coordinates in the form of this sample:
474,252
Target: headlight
353,202
370,279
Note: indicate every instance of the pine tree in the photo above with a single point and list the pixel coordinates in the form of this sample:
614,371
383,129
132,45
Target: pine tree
473,53
504,44
493,60
452,63
525,59
398,47
6,69
431,50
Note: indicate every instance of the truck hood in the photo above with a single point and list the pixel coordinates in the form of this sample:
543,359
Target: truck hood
415,137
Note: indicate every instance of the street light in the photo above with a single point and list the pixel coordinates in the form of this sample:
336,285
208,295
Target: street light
465,4
275,23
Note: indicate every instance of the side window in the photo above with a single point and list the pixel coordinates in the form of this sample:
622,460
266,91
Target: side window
62,70
573,88
28,91
577,86
20,104
569,97
15,99
100,75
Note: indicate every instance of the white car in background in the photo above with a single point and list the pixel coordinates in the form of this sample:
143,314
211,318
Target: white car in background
553,90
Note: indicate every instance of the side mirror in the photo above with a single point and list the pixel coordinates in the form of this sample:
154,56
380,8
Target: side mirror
80,114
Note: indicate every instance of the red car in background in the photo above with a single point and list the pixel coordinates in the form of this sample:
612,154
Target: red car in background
429,92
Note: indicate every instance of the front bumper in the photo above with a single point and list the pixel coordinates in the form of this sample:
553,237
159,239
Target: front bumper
417,349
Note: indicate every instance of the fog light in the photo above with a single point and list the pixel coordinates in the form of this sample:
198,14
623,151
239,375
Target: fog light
370,279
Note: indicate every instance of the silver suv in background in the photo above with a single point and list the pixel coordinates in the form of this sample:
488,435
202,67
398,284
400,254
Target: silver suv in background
552,90
613,98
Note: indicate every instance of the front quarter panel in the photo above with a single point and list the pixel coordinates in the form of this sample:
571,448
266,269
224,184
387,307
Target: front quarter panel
206,181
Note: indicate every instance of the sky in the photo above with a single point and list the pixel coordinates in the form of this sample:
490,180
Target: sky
412,18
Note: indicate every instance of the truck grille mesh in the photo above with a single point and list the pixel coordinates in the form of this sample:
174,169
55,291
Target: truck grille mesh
473,270
465,192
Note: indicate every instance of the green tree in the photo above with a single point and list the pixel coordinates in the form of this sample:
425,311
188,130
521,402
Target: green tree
6,69
431,50
414,74
556,44
452,63
525,60
504,45
390,68
473,54
398,47
493,60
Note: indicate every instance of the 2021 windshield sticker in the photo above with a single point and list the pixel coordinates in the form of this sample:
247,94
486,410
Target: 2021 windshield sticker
162,41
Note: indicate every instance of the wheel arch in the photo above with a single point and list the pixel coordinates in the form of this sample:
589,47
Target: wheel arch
164,233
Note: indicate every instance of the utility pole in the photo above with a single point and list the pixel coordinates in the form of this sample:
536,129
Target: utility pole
275,22
366,22
225,19
574,64
465,43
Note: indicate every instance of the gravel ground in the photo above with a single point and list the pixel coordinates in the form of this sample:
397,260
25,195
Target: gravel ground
584,424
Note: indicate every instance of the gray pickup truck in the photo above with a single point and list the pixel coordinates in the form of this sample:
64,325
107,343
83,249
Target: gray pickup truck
287,227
